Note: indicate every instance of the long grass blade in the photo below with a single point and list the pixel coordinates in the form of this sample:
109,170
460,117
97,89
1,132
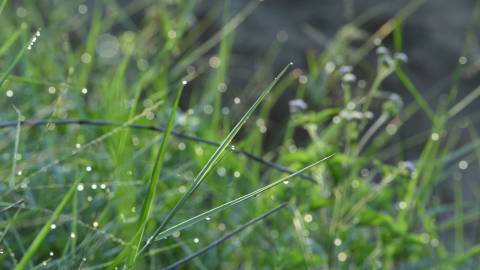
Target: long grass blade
217,155
224,238
180,135
19,56
152,187
187,223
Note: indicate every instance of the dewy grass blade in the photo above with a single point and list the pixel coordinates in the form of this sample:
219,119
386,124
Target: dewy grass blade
35,245
217,155
19,56
152,187
225,237
187,223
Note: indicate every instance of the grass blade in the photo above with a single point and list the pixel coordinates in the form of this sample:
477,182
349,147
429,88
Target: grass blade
225,237
132,250
217,155
187,223
32,249
19,56
180,135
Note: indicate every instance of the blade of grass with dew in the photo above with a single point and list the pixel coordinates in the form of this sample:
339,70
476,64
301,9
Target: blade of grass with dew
225,237
219,152
131,251
189,222
19,56
42,234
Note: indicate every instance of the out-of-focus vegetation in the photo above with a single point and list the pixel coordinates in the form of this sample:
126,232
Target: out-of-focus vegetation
124,145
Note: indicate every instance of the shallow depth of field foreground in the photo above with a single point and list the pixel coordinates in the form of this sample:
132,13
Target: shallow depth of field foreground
239,134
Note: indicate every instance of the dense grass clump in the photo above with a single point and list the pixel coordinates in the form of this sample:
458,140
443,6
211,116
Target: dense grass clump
126,144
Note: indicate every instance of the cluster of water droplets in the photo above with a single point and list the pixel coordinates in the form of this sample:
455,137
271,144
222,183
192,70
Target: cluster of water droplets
33,40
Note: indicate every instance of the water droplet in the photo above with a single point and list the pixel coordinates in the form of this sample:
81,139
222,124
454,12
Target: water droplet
463,164
94,186
236,100
182,146
95,224
462,60
337,242
9,93
435,136
286,182
84,91
236,174
342,256
221,171
82,9
214,62
88,168
51,253
196,240
53,226
72,235
308,218
402,205
207,218
103,186
184,82
52,90
80,187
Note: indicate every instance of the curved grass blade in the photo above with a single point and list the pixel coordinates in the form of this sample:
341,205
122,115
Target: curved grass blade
187,223
131,250
35,245
217,155
181,135
225,237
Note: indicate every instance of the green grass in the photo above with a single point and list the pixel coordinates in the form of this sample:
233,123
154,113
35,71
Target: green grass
111,161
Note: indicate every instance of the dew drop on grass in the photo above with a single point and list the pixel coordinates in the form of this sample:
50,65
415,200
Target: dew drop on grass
94,186
308,218
462,60
236,100
184,82
88,168
286,182
337,242
222,227
342,256
181,146
9,93
103,186
221,171
89,198
72,235
435,136
196,240
463,164
236,174
207,218
1,251
95,224
51,253
80,187
53,226
78,146
84,91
